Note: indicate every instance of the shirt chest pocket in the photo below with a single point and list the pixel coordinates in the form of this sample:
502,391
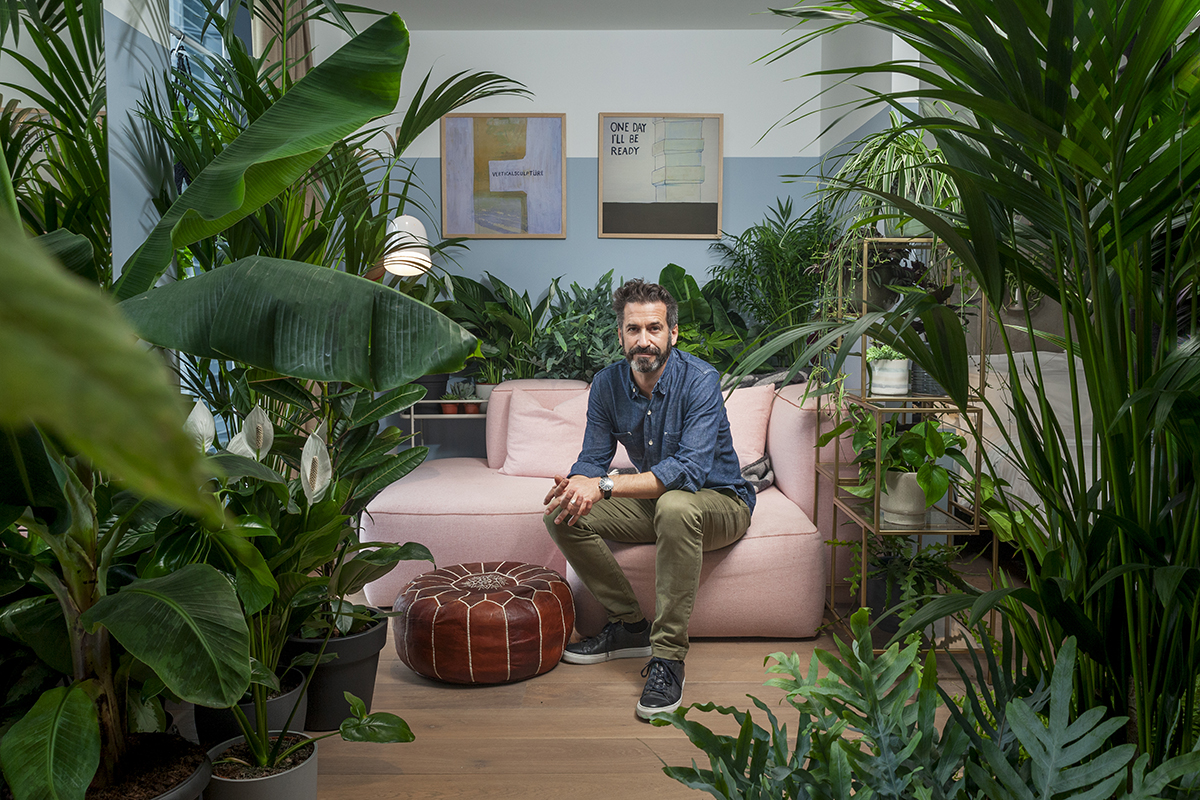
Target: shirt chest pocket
633,444
670,442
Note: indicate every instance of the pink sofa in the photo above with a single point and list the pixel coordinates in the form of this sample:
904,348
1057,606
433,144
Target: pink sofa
771,583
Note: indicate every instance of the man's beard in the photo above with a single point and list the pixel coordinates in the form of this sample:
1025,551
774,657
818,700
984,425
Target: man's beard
639,364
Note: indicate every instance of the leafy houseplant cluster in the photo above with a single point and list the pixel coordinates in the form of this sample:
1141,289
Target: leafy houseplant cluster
869,727
884,447
84,564
771,270
1086,196
571,332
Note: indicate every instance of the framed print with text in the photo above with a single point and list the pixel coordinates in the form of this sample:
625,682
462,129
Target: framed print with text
504,176
660,176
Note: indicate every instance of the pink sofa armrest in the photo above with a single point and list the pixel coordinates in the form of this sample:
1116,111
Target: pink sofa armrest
548,391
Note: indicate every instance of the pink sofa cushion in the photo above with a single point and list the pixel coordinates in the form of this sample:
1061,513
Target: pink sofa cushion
749,411
462,511
545,431
544,442
548,391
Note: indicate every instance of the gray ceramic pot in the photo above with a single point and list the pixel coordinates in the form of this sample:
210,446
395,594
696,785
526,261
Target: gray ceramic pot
193,787
298,783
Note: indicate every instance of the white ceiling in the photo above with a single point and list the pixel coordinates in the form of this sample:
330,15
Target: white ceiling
502,15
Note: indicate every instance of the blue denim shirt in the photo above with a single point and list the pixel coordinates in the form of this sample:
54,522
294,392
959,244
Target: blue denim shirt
680,433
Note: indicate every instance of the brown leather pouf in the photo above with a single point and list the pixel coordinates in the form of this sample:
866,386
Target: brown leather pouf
484,622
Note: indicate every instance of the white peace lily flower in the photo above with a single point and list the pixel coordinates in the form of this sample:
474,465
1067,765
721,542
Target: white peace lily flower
316,470
257,434
201,426
237,445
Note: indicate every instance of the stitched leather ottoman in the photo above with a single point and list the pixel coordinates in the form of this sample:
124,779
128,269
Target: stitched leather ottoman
493,622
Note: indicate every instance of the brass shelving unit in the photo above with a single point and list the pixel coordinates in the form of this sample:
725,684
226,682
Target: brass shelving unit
958,517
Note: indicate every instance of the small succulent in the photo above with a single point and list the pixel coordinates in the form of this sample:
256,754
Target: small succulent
463,391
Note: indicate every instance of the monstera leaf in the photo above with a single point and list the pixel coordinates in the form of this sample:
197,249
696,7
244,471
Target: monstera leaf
302,320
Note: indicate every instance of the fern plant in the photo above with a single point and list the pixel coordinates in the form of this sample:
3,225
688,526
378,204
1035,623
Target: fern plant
869,728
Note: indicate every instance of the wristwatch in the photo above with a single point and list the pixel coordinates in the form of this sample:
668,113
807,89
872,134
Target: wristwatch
606,486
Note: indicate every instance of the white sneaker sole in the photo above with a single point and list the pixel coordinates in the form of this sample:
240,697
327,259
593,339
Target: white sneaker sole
646,713
599,658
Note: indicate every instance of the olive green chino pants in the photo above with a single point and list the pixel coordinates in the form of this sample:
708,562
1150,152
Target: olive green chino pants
683,525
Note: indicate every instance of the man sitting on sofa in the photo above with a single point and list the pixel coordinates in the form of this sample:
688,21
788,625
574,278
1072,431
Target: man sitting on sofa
687,497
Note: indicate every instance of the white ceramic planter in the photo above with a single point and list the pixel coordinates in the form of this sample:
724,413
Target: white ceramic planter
889,377
298,783
904,501
483,391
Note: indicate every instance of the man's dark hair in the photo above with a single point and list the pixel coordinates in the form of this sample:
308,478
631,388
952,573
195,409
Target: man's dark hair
638,291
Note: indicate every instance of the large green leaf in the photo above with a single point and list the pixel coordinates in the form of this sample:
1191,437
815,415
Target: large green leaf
69,363
355,85
54,750
302,320
188,627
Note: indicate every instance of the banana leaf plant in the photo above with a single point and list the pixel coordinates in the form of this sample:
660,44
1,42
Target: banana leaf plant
69,344
1075,152
68,597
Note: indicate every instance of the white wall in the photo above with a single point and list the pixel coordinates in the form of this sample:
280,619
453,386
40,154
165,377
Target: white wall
585,73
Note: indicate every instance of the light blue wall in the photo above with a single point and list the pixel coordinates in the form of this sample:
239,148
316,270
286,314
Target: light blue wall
751,186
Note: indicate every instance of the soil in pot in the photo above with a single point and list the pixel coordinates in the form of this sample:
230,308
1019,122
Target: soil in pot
158,763
294,780
236,771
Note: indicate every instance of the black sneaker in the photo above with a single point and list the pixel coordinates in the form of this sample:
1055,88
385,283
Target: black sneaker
664,687
615,641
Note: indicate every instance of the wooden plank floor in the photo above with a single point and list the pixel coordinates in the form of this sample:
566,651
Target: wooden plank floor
570,733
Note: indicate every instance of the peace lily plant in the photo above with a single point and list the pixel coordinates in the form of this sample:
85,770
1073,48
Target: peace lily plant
294,533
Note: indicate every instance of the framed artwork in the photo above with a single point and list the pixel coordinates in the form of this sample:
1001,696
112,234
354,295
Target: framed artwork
504,176
660,176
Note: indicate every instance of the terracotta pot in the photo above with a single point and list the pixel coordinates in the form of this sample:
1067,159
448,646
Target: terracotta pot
471,408
298,783
353,671
904,501
449,408
889,377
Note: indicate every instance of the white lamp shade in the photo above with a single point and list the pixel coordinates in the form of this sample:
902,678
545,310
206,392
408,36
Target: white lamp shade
410,247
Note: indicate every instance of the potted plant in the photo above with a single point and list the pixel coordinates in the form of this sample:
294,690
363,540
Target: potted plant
768,271
487,366
899,573
449,404
506,323
889,370
287,530
907,461
580,338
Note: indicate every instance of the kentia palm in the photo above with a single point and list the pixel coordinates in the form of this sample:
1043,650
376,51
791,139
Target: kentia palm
769,269
1076,156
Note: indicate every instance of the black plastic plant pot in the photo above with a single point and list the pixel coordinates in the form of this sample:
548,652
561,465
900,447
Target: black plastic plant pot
219,724
353,671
